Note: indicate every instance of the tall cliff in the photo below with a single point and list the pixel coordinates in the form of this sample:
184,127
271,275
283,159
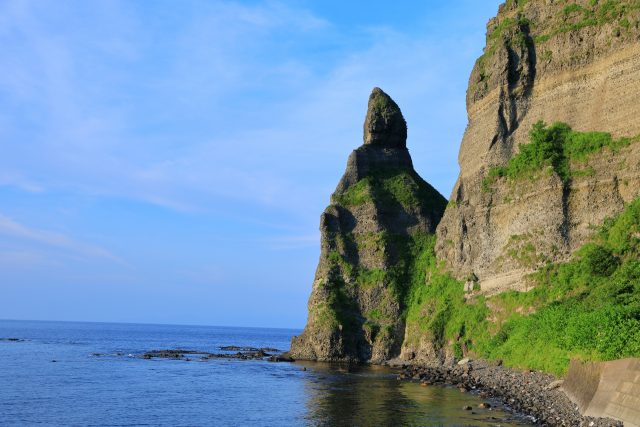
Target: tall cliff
551,151
380,216
552,61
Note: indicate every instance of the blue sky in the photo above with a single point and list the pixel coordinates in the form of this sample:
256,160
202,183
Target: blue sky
167,162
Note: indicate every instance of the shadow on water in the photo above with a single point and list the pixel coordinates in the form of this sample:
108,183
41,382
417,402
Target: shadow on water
339,395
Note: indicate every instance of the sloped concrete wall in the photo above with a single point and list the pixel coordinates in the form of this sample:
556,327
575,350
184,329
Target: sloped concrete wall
582,383
606,389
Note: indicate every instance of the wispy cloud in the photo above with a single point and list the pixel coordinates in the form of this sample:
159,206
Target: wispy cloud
9,227
20,182
196,138
223,108
20,258
294,242
73,119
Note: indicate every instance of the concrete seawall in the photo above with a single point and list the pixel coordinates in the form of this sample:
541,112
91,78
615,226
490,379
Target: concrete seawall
606,389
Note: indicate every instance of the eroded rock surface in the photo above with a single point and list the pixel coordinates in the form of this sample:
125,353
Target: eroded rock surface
378,210
577,63
230,352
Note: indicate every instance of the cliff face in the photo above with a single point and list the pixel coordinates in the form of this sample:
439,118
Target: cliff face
380,213
529,195
555,61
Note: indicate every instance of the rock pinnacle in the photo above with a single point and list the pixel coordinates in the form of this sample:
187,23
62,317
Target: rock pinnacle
384,124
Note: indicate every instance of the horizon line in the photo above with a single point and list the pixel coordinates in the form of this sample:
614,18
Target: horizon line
147,324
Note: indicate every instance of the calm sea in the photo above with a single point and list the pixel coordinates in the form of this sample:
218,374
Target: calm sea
120,389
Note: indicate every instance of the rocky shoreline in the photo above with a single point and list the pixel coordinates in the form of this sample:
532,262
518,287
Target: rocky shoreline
531,393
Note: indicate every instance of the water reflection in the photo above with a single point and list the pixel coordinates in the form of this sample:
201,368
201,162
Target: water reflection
372,396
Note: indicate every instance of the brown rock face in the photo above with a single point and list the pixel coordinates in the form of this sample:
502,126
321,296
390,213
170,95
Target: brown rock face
384,124
379,208
557,62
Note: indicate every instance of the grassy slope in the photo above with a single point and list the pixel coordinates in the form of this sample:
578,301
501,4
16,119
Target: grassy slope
587,308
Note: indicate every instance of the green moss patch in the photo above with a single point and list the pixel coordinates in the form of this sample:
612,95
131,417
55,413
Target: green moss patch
391,188
552,149
596,13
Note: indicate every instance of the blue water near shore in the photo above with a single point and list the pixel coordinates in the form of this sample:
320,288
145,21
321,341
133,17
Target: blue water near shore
119,388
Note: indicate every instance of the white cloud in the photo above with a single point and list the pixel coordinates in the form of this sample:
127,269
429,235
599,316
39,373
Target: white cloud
294,242
216,112
239,113
20,182
24,259
9,227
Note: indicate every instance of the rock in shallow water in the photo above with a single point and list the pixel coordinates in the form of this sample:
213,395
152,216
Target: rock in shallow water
250,353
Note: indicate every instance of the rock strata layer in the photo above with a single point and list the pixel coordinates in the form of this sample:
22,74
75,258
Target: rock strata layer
378,209
572,62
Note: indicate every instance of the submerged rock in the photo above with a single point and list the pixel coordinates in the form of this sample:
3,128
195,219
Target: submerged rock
247,353
284,357
241,348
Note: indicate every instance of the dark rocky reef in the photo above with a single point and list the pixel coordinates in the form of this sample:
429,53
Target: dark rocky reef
378,210
230,352
13,339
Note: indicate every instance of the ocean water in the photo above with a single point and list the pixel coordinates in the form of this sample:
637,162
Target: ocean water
53,377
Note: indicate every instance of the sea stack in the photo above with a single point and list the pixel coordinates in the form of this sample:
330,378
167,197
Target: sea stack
380,211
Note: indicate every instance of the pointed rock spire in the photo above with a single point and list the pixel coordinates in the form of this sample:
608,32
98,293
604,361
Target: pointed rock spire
392,207
384,124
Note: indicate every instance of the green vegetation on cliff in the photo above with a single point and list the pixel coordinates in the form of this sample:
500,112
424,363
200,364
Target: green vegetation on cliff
553,148
508,30
519,26
433,300
410,255
587,308
596,13
357,299
436,306
511,31
392,187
